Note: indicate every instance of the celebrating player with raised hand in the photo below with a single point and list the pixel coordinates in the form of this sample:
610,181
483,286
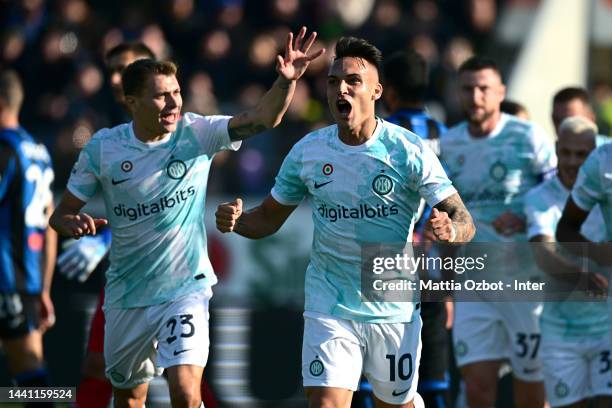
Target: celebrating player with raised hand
152,173
364,178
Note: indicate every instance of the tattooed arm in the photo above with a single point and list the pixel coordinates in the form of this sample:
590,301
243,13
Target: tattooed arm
272,107
451,221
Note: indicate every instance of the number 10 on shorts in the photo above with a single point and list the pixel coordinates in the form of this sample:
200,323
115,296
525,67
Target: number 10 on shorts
401,369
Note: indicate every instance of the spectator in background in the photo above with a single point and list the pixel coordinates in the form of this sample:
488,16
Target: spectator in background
406,81
514,108
27,253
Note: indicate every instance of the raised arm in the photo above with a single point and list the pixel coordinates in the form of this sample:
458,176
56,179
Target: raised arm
272,107
68,222
451,221
255,223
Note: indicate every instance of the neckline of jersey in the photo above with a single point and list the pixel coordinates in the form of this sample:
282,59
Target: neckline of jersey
364,146
503,119
149,145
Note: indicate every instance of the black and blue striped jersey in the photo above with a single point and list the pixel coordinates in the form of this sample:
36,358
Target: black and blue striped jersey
427,128
25,192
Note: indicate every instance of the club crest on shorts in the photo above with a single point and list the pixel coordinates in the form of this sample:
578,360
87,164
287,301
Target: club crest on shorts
561,389
316,367
117,377
461,348
382,184
176,169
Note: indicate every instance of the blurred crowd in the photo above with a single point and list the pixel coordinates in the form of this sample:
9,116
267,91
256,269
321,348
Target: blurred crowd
226,53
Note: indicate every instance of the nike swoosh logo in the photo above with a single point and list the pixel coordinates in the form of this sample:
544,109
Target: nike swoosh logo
397,394
530,370
608,175
317,185
115,182
177,352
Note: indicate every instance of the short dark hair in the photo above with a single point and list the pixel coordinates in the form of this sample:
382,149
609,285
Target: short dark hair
11,90
137,48
406,72
359,48
512,107
477,63
570,93
137,73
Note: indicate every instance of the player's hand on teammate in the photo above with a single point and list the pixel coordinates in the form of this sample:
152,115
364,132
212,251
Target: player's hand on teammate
81,257
79,225
293,65
227,215
441,226
508,224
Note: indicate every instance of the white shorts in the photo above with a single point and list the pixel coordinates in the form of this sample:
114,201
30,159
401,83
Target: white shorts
140,342
484,331
576,370
336,351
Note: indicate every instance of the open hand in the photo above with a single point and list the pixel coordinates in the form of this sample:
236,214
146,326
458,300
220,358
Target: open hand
293,65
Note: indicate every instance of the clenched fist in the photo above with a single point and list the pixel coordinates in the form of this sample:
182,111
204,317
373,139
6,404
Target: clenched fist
227,215
442,226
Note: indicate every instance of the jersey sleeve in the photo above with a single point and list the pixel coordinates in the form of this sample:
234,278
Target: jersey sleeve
8,167
545,159
540,217
289,187
212,132
434,185
84,179
587,190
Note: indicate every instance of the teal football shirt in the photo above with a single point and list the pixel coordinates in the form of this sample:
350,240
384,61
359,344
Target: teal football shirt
359,195
544,206
154,194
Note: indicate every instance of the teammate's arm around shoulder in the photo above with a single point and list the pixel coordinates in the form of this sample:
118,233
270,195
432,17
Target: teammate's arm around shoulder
256,223
273,105
68,222
451,221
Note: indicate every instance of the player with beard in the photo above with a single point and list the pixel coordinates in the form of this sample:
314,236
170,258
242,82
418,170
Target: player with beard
493,160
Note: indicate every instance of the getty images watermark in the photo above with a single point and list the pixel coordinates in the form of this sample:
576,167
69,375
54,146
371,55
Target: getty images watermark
472,272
